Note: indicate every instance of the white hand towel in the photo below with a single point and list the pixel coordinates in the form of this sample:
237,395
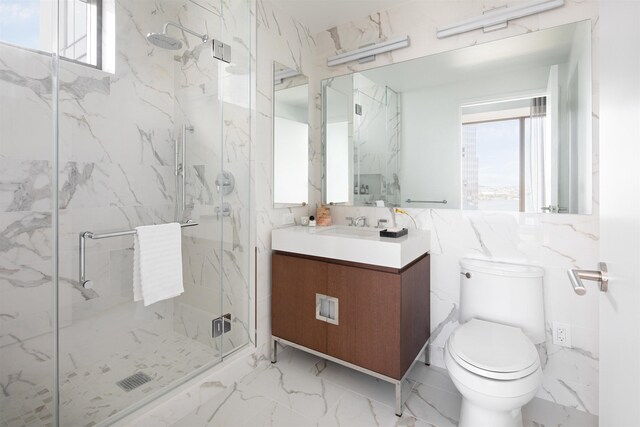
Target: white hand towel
157,263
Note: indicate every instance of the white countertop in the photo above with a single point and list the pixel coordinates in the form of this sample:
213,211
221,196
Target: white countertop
355,244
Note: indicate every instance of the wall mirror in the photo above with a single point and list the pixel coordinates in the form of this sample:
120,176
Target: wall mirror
504,125
290,137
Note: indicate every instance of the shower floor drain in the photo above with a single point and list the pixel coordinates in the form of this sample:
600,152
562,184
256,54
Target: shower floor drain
134,381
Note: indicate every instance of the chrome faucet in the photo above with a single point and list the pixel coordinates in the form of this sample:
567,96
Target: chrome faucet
360,218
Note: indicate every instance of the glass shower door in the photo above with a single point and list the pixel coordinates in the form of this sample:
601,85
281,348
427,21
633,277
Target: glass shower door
27,215
139,145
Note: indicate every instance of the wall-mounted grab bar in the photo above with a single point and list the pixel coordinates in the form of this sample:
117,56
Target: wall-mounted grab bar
576,276
88,284
444,202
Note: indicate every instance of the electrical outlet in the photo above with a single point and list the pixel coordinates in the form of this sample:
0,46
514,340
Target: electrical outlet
288,219
562,334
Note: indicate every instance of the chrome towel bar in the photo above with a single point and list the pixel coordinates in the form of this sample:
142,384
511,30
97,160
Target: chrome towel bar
444,202
88,284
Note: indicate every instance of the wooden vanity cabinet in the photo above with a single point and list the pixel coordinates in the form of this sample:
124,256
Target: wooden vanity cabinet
295,283
383,320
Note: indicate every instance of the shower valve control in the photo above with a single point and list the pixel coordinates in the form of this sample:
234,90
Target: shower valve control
87,284
225,182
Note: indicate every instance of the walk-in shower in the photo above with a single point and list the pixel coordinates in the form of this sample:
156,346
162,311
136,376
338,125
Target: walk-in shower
98,160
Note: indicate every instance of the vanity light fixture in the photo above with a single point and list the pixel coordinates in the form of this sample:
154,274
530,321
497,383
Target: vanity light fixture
497,18
368,51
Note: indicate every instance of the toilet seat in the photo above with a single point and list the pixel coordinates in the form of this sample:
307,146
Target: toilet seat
493,350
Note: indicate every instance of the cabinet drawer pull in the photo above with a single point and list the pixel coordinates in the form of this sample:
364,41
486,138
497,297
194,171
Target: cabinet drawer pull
327,309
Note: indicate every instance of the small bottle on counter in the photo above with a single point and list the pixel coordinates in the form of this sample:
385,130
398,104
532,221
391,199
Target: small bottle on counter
312,221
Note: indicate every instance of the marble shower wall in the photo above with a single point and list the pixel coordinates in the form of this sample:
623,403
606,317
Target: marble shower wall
281,39
116,148
555,242
25,220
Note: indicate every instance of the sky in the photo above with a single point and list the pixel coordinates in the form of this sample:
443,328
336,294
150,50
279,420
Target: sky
497,148
20,22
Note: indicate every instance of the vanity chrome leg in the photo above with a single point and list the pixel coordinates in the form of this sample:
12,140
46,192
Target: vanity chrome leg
427,355
399,398
274,351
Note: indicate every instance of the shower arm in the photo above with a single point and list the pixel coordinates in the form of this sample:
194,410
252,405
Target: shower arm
203,37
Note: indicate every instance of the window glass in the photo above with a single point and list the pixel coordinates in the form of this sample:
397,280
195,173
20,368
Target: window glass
20,23
491,153
25,23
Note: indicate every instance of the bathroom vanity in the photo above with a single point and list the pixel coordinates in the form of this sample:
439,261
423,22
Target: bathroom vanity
352,297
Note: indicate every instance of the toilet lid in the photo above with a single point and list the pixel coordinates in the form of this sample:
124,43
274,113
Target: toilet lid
493,350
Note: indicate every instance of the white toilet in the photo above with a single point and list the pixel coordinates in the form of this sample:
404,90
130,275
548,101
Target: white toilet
491,356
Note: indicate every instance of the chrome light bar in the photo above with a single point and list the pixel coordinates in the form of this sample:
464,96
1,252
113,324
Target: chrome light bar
498,18
367,51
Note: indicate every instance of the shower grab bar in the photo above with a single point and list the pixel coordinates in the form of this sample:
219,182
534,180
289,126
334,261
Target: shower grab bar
444,202
88,284
181,170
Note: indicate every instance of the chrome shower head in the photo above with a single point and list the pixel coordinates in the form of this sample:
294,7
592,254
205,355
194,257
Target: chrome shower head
164,41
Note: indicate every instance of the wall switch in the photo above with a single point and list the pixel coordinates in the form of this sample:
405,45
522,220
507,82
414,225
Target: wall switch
562,334
288,219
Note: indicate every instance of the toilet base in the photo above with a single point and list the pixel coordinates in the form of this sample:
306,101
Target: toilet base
474,416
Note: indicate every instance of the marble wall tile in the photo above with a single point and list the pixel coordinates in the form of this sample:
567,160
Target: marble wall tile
280,38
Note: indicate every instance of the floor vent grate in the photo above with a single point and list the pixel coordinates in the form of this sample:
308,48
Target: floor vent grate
134,381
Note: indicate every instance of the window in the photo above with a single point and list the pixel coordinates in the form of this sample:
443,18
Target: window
503,156
80,31
28,23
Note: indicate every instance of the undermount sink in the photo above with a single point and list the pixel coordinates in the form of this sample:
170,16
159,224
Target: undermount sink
355,244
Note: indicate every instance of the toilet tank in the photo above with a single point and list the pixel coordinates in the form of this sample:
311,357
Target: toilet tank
510,294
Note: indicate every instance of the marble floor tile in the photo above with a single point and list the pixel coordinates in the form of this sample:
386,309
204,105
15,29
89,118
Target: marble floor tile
302,392
542,413
355,410
88,376
359,382
433,405
232,407
296,359
299,390
433,376
276,415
